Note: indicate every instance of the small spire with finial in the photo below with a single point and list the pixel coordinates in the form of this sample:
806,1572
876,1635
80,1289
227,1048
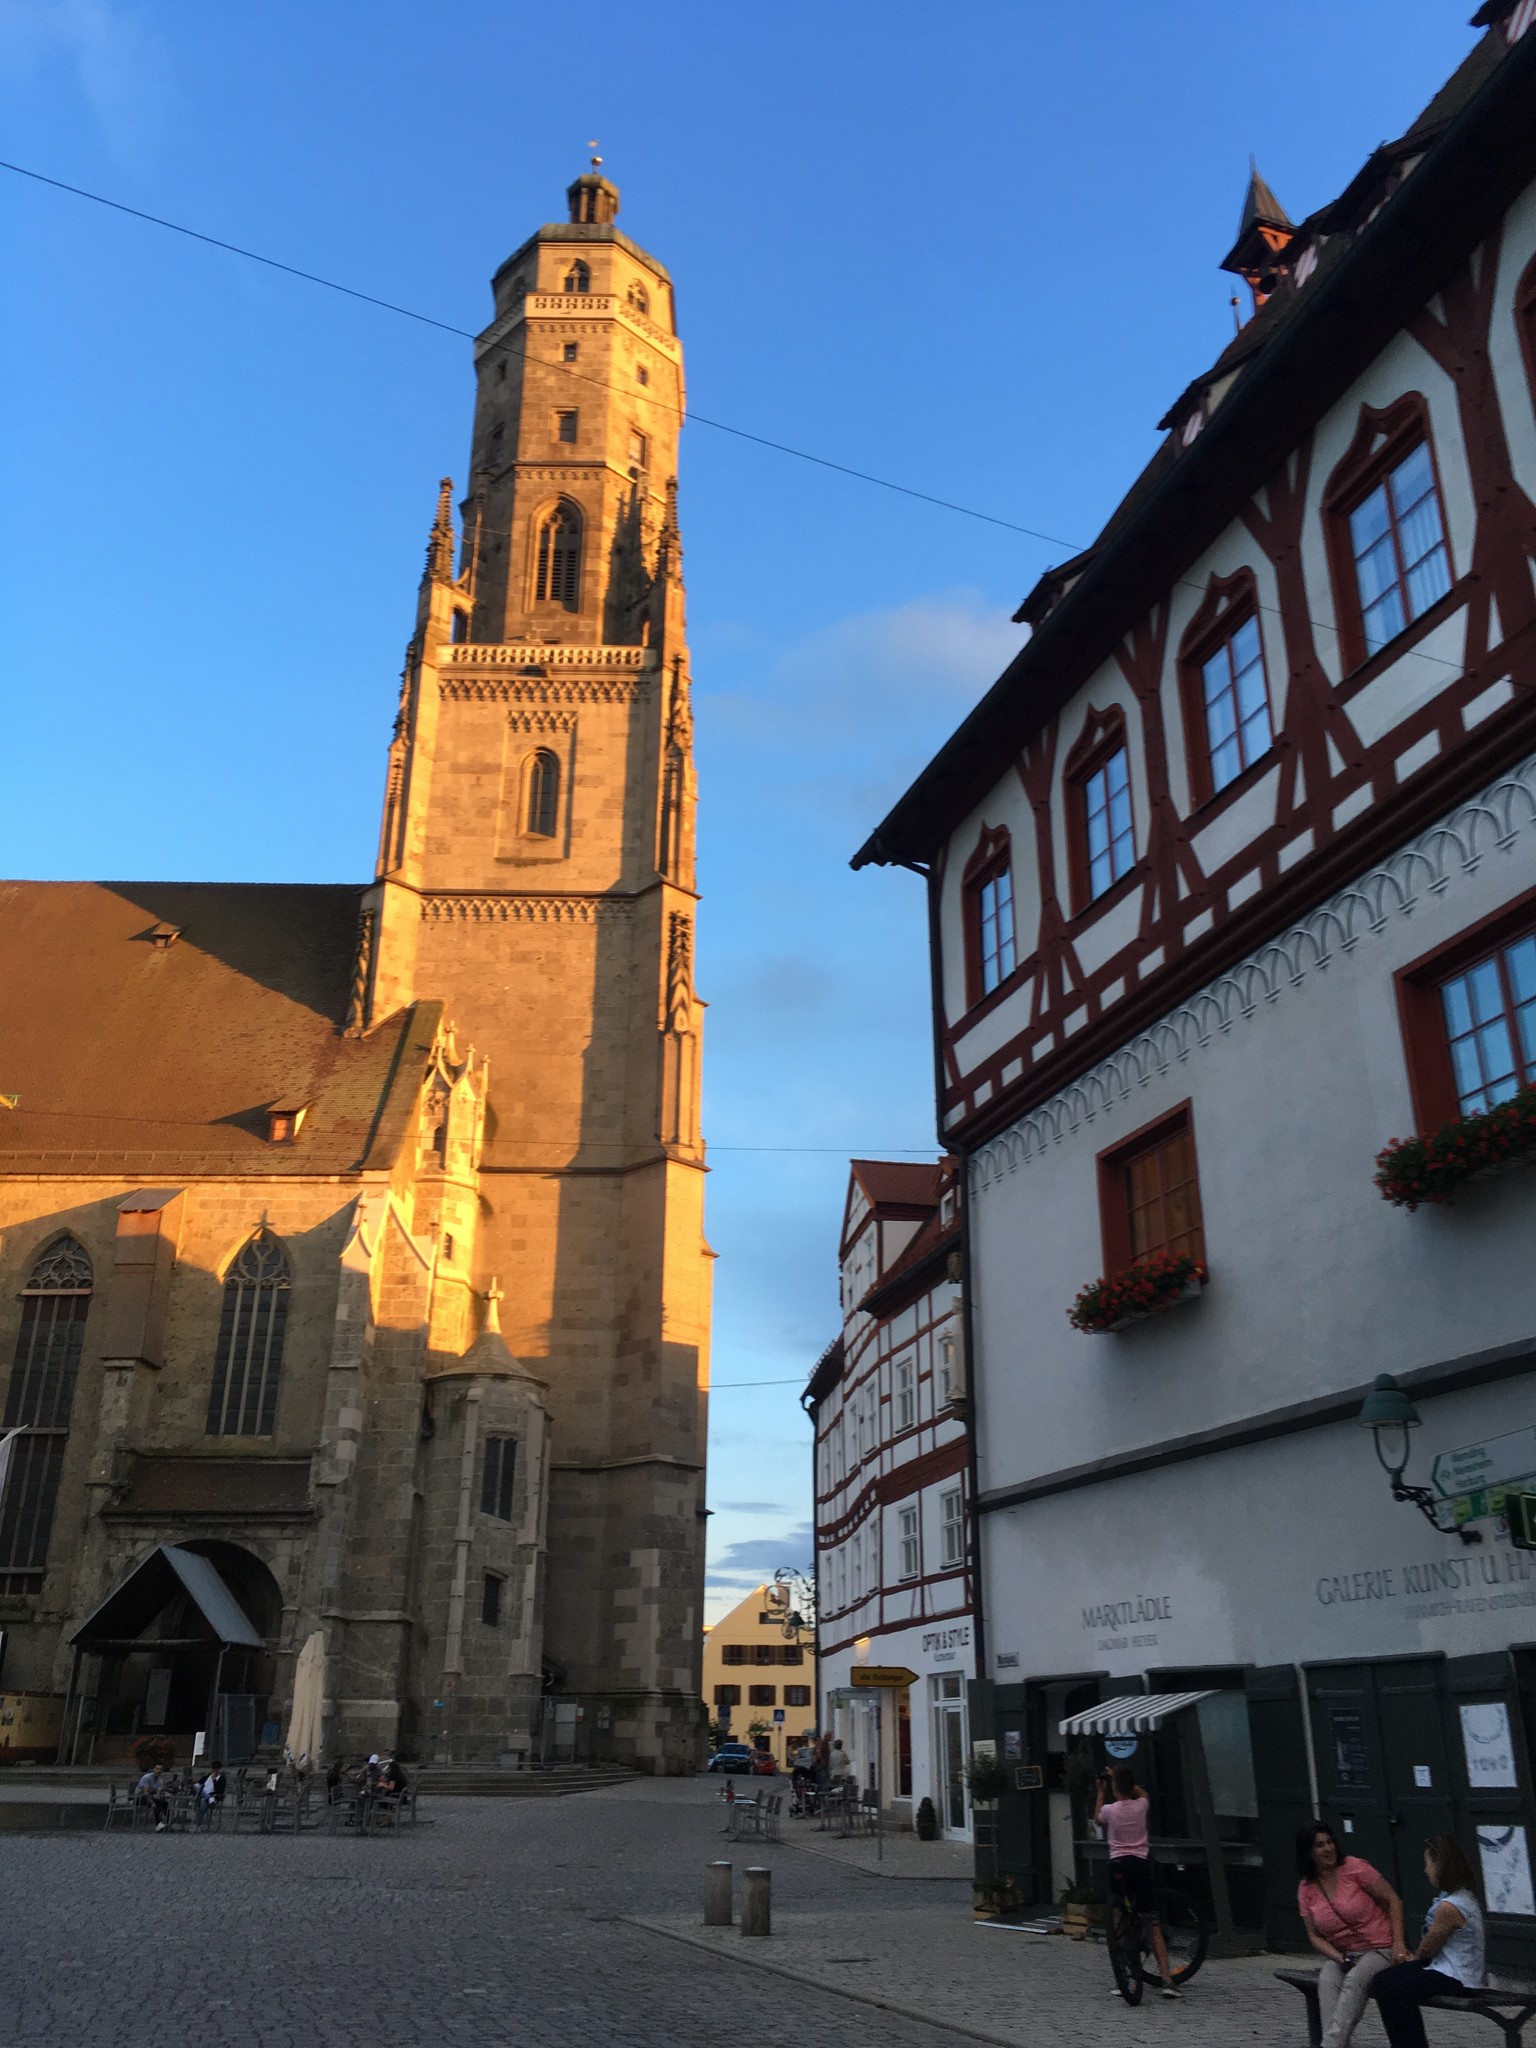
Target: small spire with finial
593,199
493,1300
440,540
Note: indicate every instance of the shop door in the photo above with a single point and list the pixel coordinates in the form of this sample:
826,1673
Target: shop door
949,1757
1382,1766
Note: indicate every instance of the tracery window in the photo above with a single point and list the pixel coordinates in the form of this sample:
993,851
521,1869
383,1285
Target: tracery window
54,1306
557,576
579,277
542,816
638,297
248,1362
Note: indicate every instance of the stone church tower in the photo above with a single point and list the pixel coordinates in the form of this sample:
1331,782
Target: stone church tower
352,1273
536,873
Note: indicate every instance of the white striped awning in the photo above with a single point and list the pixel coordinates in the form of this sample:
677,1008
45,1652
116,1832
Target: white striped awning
1133,1712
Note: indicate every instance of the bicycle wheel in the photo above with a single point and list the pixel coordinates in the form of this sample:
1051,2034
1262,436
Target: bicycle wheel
1122,1937
1184,1931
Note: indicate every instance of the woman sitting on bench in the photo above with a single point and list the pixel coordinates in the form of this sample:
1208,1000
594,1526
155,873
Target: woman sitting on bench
1449,1958
1353,1918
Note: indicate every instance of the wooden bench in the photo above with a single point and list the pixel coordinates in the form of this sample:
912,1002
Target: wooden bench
1508,2010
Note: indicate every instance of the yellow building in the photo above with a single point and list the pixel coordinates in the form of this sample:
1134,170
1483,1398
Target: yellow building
760,1686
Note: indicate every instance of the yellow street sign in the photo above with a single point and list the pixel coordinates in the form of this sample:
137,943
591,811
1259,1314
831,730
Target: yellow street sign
892,1676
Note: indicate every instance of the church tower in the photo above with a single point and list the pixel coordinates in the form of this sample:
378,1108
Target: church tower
536,876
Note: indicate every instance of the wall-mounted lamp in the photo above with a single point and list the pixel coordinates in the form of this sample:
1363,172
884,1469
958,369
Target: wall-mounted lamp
1392,1418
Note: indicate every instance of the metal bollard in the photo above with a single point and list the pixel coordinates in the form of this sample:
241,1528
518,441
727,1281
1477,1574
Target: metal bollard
717,1894
756,1903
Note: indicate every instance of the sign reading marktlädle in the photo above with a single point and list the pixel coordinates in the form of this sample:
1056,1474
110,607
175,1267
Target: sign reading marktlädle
891,1676
1492,1463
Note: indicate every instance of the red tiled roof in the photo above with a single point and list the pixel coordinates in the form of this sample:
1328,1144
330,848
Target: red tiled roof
144,1059
897,1183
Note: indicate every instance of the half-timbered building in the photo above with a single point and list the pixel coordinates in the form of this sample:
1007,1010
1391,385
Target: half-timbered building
887,1401
1233,883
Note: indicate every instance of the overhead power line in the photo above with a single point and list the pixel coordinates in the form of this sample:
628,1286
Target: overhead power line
865,476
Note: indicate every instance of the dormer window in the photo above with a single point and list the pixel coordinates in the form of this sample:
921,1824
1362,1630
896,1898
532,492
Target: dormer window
163,936
285,1119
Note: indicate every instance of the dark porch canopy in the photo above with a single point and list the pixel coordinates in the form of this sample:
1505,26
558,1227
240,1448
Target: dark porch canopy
150,1588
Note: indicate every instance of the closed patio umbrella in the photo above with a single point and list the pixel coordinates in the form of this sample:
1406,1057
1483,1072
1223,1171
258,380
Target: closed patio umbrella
303,1743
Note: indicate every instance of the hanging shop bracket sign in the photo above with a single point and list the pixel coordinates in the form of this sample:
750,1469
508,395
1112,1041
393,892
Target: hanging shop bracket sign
886,1677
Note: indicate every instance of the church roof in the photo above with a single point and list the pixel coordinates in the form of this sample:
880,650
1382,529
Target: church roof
146,1028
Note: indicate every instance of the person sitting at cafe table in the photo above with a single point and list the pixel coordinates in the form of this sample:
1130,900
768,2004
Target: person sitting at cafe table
151,1788
1451,1956
1353,1918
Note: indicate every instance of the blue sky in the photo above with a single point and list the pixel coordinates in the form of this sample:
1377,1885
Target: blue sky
971,248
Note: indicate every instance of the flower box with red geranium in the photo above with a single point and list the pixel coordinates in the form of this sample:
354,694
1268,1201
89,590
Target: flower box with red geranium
1431,1167
1152,1288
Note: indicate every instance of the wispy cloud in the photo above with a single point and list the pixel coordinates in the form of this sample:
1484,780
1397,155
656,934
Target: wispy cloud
752,1562
101,48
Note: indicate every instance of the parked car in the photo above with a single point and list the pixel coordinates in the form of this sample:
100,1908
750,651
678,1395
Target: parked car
733,1756
763,1765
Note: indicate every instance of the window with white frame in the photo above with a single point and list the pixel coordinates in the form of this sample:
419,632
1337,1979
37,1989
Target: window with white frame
911,1544
906,1394
947,1368
857,1587
952,1526
842,1577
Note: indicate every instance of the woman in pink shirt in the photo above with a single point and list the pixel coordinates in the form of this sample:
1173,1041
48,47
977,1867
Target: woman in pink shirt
1353,1919
1124,1820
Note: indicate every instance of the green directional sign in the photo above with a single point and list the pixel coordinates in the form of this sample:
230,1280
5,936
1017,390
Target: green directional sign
1521,1510
1476,1467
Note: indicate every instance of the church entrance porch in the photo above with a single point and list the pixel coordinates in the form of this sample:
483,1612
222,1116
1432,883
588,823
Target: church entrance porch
182,1645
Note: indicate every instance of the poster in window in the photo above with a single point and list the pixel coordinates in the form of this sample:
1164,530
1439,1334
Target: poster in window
1506,1865
1350,1766
1489,1747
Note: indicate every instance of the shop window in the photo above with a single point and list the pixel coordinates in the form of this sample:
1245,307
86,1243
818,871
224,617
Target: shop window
248,1360
1149,1194
762,1695
496,1477
1101,830
991,952
911,1544
39,1402
1469,1017
952,1526
1386,529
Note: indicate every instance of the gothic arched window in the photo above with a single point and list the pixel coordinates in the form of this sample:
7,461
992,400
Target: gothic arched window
542,813
638,298
54,1306
249,1359
578,278
557,579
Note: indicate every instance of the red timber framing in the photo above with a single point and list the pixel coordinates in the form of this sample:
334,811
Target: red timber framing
1426,1047
1423,257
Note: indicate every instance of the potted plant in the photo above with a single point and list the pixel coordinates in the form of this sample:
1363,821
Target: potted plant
1080,1910
150,1750
1431,1167
986,1779
1149,1289
992,1897
927,1821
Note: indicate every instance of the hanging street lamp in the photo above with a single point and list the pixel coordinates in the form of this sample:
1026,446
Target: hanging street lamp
1392,1418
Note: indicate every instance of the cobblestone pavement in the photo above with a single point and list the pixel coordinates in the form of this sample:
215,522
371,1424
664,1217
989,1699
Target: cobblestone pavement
505,1920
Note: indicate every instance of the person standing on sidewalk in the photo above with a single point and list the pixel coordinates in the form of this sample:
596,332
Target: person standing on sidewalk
1353,1918
1122,1808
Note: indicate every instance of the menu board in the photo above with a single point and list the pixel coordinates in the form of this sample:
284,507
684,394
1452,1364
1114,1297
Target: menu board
1489,1747
1506,1865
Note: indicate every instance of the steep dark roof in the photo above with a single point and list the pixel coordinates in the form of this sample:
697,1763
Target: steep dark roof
1460,165
1260,206
897,1183
134,1058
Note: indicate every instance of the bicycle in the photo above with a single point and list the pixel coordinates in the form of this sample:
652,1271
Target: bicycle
1128,1938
